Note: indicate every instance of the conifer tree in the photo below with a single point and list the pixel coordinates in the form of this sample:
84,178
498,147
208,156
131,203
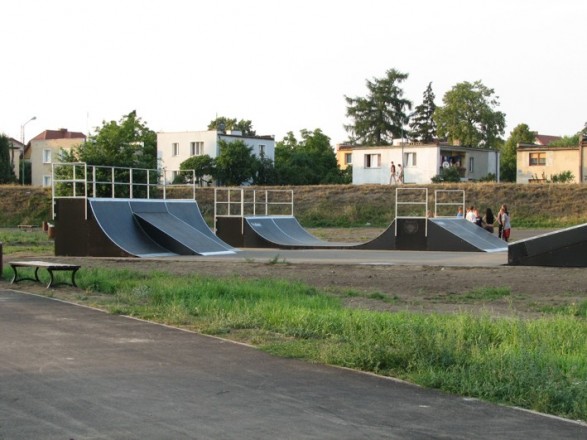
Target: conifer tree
422,125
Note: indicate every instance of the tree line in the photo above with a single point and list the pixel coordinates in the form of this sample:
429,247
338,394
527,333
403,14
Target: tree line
468,116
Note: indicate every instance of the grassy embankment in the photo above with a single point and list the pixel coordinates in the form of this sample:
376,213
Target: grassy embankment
531,206
540,364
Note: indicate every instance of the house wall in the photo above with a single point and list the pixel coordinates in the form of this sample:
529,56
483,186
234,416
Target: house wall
165,141
341,154
42,153
171,162
557,160
421,162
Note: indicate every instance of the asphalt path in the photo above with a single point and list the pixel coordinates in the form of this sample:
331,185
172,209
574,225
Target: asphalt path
71,372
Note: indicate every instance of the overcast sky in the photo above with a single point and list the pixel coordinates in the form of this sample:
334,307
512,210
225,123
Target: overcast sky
285,65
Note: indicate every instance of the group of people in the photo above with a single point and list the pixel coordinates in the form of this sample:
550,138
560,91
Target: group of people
396,174
489,220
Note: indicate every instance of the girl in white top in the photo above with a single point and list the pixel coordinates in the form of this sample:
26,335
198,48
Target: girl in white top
504,219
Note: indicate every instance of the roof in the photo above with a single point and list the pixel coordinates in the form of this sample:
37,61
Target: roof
544,139
58,134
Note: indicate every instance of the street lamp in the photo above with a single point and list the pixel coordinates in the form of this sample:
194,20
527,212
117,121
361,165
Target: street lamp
22,139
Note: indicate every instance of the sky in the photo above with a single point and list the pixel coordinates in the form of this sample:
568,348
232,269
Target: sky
284,65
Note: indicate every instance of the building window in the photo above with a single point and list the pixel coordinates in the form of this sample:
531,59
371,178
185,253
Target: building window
196,148
537,158
471,164
46,156
348,158
261,150
174,175
372,160
46,181
409,160
175,149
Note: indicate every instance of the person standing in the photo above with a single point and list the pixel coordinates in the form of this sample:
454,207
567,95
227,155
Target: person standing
488,220
392,176
400,174
504,216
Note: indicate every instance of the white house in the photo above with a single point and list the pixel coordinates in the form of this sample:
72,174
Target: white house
175,147
421,162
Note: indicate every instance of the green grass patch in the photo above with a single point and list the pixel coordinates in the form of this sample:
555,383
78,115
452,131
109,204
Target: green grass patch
540,364
33,242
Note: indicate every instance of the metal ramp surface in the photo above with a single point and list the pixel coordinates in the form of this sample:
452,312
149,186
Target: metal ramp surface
285,231
458,234
115,219
174,233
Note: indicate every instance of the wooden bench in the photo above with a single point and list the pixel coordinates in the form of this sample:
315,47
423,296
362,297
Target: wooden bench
51,267
27,227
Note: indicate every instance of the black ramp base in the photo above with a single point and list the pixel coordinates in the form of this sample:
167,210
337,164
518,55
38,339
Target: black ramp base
564,248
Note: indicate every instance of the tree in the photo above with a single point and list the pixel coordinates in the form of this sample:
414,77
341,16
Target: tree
566,141
264,172
201,165
129,143
469,116
310,161
223,123
422,125
379,117
235,164
521,134
6,166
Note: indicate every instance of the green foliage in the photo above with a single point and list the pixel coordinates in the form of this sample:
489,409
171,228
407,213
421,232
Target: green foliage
566,141
422,125
201,165
128,143
469,116
235,164
521,134
223,123
379,117
562,177
449,174
310,161
7,174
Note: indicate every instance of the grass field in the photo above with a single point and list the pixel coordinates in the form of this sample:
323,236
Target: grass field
535,363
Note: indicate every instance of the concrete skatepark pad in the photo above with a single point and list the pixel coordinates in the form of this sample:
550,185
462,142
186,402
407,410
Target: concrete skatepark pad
564,248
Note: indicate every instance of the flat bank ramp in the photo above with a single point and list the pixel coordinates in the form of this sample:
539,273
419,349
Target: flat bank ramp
460,235
175,233
564,248
115,219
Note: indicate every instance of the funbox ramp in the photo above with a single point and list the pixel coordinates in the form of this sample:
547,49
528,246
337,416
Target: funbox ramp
564,248
150,228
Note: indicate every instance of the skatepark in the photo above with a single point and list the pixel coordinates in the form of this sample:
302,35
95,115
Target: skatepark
74,372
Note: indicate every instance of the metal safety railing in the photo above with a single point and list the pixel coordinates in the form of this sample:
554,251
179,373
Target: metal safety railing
448,199
239,202
80,180
411,203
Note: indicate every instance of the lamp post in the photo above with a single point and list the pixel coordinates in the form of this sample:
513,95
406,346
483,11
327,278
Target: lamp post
23,145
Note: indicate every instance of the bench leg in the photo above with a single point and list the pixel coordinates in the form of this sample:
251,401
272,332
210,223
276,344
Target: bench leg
16,278
52,280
